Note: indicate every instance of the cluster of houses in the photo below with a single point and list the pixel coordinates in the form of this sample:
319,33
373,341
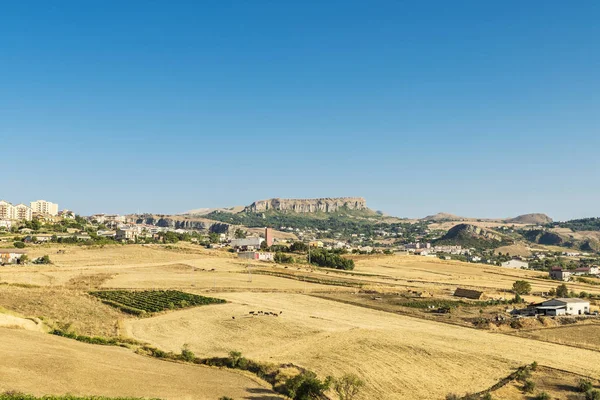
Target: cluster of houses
561,274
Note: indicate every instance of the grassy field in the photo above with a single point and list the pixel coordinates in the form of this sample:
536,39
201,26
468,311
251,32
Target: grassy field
558,384
40,364
584,336
398,356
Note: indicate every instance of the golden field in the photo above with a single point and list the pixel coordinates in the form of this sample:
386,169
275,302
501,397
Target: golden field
398,356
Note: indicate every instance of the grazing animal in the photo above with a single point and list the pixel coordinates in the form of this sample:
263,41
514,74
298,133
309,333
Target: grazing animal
232,317
280,312
251,312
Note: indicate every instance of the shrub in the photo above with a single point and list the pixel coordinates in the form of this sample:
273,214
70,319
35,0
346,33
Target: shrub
529,386
487,396
281,258
234,358
592,395
522,374
534,366
452,396
42,260
584,385
19,245
306,386
348,386
186,353
542,396
225,398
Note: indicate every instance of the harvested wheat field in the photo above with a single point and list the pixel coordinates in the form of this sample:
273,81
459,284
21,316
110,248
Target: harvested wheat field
41,364
62,308
584,336
424,272
398,356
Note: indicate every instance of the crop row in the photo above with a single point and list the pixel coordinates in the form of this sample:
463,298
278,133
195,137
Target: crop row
140,302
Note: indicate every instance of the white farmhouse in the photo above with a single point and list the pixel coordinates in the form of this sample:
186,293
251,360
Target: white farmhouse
517,264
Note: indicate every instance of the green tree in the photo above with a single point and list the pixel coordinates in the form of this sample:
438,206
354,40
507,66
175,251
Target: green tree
348,386
299,247
562,291
306,386
214,237
19,245
239,234
521,287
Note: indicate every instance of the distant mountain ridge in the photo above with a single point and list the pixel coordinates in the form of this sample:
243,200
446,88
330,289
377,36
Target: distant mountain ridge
528,219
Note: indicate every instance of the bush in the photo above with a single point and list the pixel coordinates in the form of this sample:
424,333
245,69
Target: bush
306,386
452,396
42,260
348,386
542,396
522,374
281,258
487,396
19,245
186,353
529,386
584,385
534,365
592,395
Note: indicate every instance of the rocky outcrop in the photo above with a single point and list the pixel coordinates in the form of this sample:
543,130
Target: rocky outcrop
468,230
308,205
544,237
177,222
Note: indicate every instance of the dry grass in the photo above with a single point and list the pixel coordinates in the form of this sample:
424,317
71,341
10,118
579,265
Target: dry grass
584,336
558,384
42,364
64,308
399,357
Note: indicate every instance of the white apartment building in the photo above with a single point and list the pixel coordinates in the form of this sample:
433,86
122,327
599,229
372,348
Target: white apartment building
6,210
22,212
44,207
19,212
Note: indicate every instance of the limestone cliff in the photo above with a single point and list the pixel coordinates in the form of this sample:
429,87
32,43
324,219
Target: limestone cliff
308,205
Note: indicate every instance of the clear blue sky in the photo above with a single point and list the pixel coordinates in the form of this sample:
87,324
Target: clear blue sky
477,108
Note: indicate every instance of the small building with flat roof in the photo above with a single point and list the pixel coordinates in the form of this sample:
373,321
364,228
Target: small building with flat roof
563,306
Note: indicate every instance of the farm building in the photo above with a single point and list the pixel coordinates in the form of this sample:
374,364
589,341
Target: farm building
563,306
255,255
560,274
249,243
10,256
517,264
468,293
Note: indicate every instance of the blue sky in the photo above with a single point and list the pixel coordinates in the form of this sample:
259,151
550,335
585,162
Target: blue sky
486,109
